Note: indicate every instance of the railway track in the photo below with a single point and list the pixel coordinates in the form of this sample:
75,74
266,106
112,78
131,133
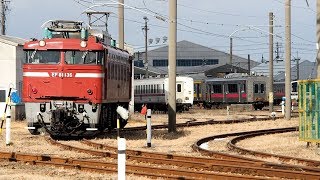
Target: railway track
232,146
311,166
194,122
237,165
105,167
181,167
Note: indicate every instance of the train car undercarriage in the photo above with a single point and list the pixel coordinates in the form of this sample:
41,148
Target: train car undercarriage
72,120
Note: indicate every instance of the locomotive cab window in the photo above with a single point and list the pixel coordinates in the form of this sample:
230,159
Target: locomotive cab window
42,57
84,57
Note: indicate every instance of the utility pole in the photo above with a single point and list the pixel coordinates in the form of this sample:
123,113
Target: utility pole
172,65
121,24
249,66
297,59
4,8
318,38
288,59
270,62
145,28
230,60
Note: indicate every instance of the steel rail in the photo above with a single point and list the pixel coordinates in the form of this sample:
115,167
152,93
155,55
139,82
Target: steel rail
232,146
201,123
243,167
105,167
196,147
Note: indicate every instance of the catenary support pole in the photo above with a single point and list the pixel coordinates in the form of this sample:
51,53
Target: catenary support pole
288,59
172,65
318,38
145,28
149,127
249,65
121,159
121,24
270,62
230,60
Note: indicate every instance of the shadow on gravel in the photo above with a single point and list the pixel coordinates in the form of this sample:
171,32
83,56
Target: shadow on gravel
156,134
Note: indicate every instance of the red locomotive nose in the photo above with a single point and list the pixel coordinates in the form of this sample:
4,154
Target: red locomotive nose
89,91
34,90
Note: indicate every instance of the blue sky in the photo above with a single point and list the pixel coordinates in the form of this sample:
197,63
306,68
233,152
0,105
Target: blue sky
205,22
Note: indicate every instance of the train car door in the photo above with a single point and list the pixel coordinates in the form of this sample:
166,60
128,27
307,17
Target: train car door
232,92
242,92
259,90
208,92
197,91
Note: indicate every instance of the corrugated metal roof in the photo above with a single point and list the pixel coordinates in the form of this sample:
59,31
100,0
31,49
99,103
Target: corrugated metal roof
189,50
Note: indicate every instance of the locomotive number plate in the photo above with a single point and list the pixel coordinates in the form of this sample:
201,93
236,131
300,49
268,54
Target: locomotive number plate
61,74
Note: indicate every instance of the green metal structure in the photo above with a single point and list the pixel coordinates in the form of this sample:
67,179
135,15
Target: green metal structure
309,110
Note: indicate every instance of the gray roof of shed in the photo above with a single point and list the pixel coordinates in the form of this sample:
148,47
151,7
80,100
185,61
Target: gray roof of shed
14,41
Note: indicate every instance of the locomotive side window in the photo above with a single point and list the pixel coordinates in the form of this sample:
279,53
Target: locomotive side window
84,57
42,57
232,88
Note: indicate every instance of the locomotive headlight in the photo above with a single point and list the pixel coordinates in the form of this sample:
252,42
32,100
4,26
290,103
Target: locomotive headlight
89,91
43,107
83,44
42,43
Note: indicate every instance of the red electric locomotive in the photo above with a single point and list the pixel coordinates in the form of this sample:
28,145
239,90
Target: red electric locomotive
74,80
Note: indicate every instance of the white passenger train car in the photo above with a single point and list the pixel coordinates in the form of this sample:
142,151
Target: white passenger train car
154,93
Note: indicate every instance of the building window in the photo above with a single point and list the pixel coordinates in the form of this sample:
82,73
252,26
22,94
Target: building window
160,62
186,62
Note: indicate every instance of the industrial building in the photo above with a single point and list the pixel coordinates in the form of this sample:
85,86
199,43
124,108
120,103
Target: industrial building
191,58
